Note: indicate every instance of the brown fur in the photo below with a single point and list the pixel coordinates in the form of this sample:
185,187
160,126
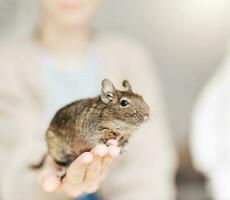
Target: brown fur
81,125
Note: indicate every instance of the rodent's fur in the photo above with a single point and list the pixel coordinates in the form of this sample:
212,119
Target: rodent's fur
81,125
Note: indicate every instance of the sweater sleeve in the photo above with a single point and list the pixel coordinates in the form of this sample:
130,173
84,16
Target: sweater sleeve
10,106
20,133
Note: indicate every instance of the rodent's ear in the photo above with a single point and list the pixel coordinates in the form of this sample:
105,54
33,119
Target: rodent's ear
107,91
127,85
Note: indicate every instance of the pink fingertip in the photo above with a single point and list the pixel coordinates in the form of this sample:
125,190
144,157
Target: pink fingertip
114,151
50,183
86,157
100,150
93,189
76,194
112,142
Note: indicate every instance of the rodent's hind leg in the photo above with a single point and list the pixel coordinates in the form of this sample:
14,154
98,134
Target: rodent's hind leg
62,158
63,165
40,164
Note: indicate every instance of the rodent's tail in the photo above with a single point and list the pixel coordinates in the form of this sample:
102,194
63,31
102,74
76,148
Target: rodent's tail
40,164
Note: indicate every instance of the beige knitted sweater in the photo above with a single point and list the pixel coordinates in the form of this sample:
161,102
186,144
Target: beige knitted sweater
146,171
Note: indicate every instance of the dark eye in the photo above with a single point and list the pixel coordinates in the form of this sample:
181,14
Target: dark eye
124,103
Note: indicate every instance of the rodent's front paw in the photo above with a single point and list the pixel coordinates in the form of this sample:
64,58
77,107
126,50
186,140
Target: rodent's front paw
112,142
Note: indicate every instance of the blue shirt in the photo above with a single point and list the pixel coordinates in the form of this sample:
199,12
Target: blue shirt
70,84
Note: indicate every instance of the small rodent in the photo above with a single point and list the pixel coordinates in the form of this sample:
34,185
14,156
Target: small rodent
81,125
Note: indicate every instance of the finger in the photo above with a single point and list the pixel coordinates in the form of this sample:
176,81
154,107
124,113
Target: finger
114,151
50,183
100,150
106,163
92,188
77,169
73,190
94,169
75,193
73,181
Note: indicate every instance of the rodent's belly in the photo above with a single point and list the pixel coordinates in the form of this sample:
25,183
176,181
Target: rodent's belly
81,146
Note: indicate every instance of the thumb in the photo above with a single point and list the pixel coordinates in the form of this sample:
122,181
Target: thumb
50,180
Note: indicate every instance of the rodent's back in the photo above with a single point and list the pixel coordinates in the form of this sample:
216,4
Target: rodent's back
68,134
67,115
79,126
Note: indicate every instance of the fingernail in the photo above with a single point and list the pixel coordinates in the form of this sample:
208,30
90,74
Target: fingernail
114,151
100,150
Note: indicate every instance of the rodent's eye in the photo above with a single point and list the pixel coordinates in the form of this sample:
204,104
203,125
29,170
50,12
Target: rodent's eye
124,103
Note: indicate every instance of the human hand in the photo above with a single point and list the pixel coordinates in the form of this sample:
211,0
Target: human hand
84,175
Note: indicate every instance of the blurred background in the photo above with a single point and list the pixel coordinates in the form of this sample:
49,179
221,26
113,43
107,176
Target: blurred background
187,40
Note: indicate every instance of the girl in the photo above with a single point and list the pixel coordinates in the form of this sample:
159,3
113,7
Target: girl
64,62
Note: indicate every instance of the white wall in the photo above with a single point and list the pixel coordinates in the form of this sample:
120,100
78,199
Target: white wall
186,37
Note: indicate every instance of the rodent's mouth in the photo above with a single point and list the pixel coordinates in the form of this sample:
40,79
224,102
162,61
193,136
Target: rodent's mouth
137,120
142,118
